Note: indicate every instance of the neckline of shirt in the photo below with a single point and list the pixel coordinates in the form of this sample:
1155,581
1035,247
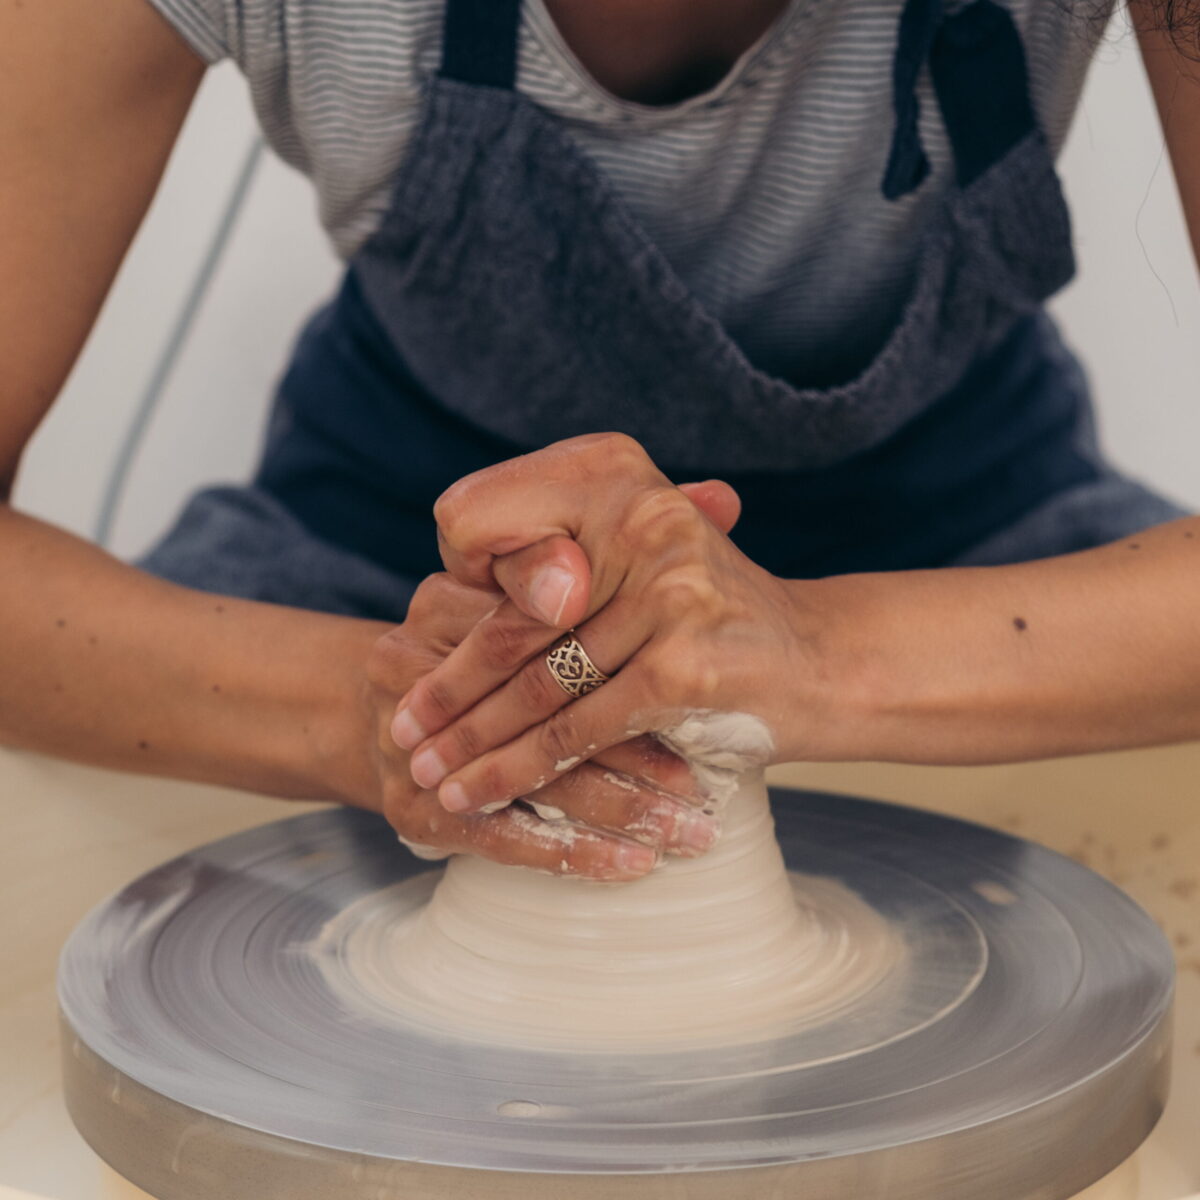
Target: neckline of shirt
748,66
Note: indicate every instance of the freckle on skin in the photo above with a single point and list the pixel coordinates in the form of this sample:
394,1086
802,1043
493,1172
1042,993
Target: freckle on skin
1020,624
1135,545
143,745
93,640
219,608
216,687
61,623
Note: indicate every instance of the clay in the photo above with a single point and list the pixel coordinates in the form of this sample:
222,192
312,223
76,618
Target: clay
723,949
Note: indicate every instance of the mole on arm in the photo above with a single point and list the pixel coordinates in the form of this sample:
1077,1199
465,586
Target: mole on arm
1020,624
1135,545
61,623
143,745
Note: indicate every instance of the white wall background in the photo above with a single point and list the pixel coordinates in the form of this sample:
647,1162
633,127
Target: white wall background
1134,312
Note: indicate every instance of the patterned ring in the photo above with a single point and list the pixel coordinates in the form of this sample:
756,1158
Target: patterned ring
573,671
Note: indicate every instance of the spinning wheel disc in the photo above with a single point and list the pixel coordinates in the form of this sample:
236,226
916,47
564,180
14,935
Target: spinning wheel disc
1021,1052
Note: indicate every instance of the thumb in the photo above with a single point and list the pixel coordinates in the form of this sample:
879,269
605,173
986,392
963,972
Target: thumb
549,581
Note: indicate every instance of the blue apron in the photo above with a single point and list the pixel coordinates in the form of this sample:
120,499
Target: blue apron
509,299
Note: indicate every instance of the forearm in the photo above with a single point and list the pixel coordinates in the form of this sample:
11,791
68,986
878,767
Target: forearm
1085,652
107,665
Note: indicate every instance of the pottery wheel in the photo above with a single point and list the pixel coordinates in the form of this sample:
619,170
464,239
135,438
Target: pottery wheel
1022,1053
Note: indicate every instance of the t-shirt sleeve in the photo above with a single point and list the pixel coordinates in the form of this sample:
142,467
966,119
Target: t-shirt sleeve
204,24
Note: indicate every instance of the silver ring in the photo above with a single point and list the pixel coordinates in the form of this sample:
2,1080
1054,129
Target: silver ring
572,669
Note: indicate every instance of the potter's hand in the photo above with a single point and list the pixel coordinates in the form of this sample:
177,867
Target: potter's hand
637,790
680,618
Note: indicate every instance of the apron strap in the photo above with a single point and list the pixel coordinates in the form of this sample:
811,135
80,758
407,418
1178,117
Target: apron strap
979,73
479,42
982,83
907,165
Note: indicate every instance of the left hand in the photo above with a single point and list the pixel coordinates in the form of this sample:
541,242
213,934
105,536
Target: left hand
673,612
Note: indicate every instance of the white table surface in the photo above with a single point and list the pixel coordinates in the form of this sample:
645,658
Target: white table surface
72,835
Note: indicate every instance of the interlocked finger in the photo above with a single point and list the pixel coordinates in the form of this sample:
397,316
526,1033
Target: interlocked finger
518,837
498,646
532,695
574,734
598,796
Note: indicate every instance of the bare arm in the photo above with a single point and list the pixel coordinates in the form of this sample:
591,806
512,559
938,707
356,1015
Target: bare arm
91,99
101,662
1086,652
1093,651
1082,652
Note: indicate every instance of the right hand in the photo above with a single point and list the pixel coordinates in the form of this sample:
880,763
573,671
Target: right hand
626,806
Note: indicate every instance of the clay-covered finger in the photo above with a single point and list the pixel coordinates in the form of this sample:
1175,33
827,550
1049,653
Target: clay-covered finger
609,800
519,837
648,761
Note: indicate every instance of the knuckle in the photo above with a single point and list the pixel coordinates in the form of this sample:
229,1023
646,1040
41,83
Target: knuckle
607,455
557,736
493,780
450,508
437,701
686,591
443,609
664,516
466,741
536,690
619,452
426,599
503,644
387,659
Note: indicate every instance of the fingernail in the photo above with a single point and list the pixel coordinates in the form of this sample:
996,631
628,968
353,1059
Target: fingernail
454,798
428,768
635,859
548,595
406,730
695,831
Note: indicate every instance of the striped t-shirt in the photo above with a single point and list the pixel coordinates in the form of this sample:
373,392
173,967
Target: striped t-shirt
763,192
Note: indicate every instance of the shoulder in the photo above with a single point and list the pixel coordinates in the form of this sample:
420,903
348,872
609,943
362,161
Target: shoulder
299,30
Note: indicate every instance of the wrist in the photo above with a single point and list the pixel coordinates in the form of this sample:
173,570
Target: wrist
839,692
333,752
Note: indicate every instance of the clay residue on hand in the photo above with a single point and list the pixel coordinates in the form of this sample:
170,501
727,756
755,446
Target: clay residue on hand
422,851
720,747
